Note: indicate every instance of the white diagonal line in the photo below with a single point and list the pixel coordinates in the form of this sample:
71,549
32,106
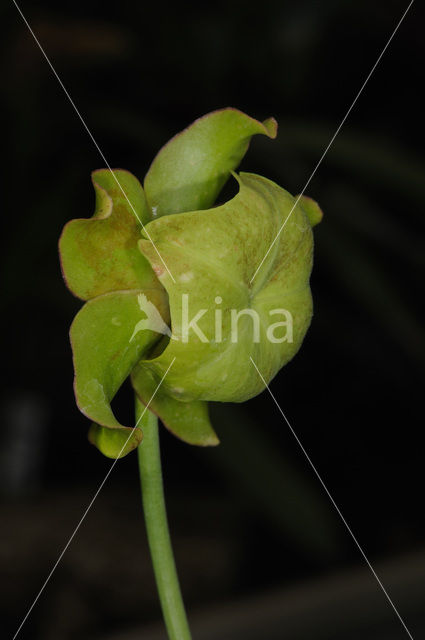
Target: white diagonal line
333,502
89,507
332,139
91,136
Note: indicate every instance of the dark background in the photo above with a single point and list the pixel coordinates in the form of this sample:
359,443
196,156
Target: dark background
250,520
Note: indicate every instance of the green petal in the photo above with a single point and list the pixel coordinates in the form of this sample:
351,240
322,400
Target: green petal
99,255
108,339
189,421
214,254
190,170
115,443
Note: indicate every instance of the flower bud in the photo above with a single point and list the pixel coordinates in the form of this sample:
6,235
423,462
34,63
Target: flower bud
183,295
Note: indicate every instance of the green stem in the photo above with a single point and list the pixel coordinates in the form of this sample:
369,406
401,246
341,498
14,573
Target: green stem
157,527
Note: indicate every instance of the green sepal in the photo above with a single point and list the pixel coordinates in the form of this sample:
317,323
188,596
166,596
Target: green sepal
189,421
107,341
99,254
117,442
261,219
190,170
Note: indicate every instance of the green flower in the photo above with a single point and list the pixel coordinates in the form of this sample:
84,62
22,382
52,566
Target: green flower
196,294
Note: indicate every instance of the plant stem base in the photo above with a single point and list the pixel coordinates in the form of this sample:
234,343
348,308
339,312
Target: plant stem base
157,527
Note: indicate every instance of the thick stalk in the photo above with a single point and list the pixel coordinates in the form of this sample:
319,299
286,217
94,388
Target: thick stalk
157,527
